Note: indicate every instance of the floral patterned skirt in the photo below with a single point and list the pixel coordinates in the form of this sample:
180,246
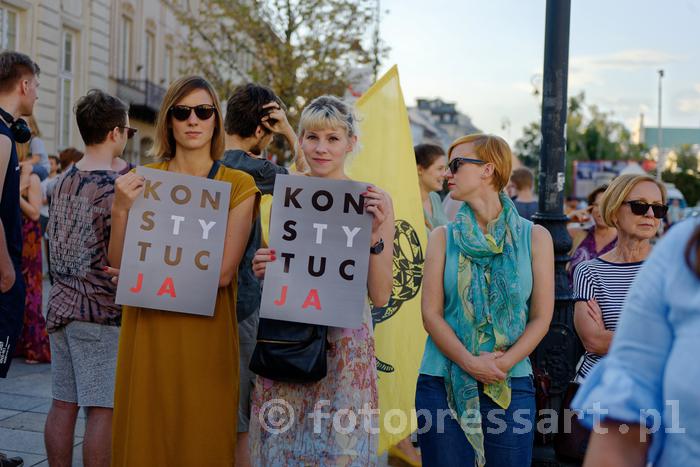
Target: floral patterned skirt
333,422
33,344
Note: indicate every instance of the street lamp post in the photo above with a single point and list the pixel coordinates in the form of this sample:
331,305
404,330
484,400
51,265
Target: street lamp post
560,350
661,159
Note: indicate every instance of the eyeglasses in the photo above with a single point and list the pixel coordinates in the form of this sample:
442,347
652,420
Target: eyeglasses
639,208
130,132
457,162
183,112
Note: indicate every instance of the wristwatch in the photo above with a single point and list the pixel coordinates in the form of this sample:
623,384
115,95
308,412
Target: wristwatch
377,247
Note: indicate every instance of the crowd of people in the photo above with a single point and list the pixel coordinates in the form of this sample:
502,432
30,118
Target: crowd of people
163,388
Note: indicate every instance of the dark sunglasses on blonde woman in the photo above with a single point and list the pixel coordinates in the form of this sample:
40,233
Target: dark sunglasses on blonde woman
639,208
183,112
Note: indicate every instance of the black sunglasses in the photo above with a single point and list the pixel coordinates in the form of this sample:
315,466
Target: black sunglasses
639,208
130,132
183,112
457,162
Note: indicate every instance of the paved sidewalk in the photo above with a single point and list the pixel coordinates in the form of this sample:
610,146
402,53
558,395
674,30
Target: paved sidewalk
25,398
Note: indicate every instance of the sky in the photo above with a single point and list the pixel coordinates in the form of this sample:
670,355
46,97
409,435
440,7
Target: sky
485,55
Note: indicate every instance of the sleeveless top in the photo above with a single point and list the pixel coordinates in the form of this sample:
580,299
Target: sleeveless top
9,205
438,217
434,362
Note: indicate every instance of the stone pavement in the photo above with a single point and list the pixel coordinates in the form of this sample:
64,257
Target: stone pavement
25,398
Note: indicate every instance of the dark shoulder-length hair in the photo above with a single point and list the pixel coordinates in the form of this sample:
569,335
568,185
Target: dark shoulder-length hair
692,251
164,141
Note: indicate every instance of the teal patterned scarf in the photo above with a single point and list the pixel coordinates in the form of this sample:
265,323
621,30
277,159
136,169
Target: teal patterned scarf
493,314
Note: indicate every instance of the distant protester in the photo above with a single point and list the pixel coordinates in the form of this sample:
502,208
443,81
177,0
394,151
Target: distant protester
34,152
33,344
595,240
525,201
254,115
431,164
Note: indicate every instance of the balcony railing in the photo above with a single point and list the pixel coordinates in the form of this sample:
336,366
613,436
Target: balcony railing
143,96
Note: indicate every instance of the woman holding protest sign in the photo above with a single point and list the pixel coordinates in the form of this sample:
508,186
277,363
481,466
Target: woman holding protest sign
177,374
333,421
488,299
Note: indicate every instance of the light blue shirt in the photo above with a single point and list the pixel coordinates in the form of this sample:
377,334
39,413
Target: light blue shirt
434,362
438,216
653,362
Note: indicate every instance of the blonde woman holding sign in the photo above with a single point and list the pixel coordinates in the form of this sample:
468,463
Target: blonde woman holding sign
335,420
176,395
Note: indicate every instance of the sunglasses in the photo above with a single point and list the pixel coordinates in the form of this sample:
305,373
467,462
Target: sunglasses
457,162
130,132
183,112
639,208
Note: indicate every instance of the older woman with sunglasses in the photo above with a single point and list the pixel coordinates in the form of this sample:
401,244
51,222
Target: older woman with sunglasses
634,205
488,298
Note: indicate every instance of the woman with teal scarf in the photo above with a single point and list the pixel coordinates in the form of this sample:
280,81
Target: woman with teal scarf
488,299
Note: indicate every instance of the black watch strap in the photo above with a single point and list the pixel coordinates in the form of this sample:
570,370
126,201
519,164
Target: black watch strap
377,247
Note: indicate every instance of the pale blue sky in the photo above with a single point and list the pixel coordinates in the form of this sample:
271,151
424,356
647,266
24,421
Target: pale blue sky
483,54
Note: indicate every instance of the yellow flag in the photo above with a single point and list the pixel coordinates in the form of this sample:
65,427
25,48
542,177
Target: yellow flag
386,159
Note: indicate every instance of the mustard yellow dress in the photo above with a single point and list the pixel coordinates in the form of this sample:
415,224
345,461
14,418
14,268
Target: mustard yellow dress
176,395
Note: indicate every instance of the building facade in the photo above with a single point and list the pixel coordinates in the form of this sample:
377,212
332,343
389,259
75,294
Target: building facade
127,48
439,122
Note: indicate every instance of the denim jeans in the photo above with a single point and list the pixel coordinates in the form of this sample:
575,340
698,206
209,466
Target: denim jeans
508,433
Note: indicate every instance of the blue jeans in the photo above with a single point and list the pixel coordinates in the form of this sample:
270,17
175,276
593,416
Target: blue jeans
508,433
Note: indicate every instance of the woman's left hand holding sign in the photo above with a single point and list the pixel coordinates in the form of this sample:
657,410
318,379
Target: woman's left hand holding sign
378,203
126,189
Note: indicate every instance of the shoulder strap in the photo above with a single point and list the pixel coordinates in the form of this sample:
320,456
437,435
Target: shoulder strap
214,169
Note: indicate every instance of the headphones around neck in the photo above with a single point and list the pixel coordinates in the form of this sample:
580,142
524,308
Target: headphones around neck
19,128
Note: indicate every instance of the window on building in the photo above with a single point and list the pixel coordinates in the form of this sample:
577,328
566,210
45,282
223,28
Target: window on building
168,65
150,56
125,48
8,29
65,88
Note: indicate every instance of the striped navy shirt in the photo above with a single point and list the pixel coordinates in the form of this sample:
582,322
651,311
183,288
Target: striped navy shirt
607,283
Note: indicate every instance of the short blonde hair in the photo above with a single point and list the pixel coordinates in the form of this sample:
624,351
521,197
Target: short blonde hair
164,141
328,112
618,190
493,149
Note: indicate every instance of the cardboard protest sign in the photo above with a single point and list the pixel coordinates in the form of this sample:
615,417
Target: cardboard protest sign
321,236
174,243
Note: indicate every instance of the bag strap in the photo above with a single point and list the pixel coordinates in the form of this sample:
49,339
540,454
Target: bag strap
214,169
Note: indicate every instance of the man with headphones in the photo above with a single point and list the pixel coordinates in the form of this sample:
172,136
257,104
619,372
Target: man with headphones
18,92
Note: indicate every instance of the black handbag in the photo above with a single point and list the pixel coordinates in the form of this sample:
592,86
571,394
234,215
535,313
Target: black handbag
571,442
290,352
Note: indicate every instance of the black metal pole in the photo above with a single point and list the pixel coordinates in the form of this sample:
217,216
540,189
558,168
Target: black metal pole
559,351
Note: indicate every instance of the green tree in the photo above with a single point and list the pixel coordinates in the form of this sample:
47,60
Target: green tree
687,159
591,134
687,183
300,48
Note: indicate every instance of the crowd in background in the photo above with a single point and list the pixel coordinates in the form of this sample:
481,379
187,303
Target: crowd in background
487,301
